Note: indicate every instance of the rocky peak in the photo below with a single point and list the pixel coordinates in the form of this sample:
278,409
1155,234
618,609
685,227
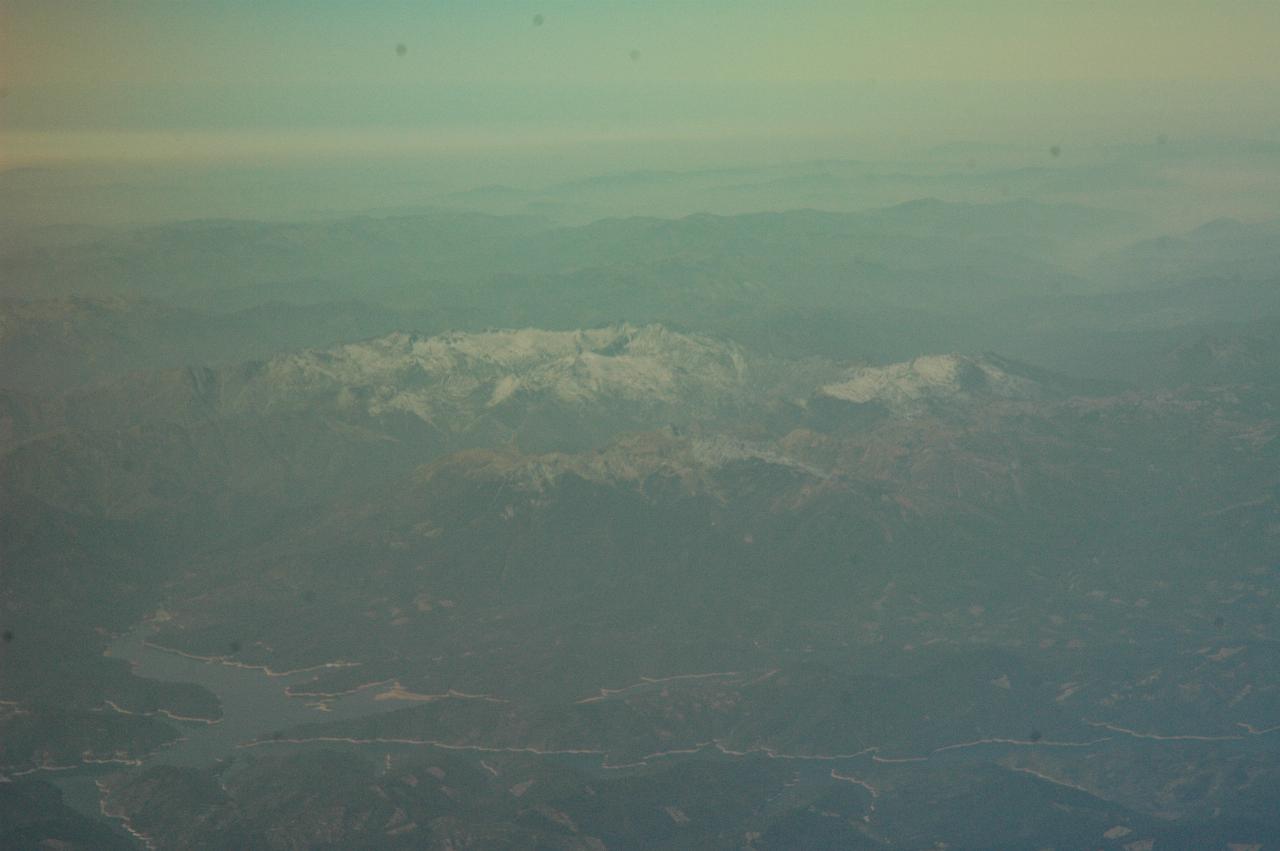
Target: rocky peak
924,383
468,373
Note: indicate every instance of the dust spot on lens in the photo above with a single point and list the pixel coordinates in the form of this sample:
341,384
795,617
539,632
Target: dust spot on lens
7,636
234,647
401,49
538,20
1035,736
1162,139
1055,151
635,55
1219,622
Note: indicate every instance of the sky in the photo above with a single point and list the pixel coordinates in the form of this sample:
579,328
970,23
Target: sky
167,79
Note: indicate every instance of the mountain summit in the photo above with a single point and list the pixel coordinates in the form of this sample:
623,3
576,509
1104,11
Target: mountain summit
458,377
934,383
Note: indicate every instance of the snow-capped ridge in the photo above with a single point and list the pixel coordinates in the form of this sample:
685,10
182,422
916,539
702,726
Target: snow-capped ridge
462,375
630,460
913,386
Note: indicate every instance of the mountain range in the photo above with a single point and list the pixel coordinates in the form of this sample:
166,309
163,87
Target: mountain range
587,577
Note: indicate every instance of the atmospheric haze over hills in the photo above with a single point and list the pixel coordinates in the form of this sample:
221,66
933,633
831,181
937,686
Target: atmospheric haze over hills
768,426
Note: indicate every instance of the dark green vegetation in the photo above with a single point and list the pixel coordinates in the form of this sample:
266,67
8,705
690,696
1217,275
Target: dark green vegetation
33,815
721,550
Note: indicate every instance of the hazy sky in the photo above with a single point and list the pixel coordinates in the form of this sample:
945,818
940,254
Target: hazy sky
117,78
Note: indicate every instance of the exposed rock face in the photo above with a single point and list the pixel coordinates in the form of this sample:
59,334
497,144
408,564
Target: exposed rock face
458,377
925,383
